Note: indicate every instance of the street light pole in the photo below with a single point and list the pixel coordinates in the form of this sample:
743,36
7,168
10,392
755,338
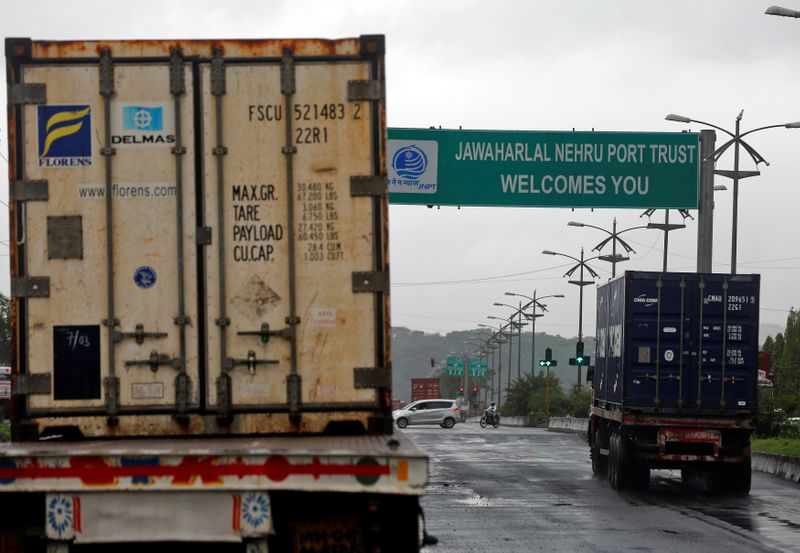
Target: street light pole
736,141
613,237
581,264
534,302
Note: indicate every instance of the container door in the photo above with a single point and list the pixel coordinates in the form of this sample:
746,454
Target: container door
110,329
656,332
727,344
282,142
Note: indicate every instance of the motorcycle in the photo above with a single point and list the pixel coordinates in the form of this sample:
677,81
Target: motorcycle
490,418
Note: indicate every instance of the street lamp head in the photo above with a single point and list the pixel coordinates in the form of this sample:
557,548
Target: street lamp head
677,118
575,224
795,125
498,304
784,12
720,187
509,294
548,252
559,296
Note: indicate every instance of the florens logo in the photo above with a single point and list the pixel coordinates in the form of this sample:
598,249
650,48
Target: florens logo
65,137
410,162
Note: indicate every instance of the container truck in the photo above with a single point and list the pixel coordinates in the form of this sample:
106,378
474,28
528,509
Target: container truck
674,383
200,314
424,388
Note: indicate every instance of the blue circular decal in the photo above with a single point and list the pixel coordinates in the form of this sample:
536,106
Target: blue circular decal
410,162
145,277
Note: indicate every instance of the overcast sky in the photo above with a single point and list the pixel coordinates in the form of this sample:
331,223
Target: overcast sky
528,65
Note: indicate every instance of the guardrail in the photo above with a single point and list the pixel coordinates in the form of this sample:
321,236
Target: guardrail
568,424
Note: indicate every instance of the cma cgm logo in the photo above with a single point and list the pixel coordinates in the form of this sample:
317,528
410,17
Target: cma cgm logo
648,302
65,136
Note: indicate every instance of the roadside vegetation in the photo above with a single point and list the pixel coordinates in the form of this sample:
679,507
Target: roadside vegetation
527,397
778,425
5,432
777,446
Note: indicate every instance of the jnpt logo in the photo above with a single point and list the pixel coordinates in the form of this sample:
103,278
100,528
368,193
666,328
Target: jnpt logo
65,136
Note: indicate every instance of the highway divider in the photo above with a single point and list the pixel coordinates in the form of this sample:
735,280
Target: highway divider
568,424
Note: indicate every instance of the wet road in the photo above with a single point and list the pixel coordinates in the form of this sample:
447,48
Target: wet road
528,490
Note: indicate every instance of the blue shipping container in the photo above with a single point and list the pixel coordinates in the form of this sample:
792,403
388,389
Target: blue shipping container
677,343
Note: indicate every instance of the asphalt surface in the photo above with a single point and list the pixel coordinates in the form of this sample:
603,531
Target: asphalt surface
528,490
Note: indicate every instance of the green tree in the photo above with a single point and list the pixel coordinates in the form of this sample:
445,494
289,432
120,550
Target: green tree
787,367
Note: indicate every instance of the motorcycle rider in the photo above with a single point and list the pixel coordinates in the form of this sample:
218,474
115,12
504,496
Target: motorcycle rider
491,413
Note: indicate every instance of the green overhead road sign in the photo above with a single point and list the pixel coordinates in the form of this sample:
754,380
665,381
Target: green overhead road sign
544,168
455,366
478,366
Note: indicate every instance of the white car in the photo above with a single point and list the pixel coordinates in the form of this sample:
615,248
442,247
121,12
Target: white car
444,412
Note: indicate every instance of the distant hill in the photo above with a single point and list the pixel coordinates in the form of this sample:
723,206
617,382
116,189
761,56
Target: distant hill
412,351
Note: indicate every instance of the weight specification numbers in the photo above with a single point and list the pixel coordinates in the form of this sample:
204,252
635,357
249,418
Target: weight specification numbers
318,227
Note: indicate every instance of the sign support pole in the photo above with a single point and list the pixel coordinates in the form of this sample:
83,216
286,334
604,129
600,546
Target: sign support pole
705,212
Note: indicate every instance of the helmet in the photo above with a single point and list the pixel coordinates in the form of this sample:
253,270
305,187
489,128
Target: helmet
491,403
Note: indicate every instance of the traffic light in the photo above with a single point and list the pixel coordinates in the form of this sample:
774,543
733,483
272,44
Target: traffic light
461,391
580,359
474,395
548,360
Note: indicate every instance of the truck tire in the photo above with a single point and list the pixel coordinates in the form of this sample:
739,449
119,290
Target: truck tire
618,461
613,463
599,461
741,477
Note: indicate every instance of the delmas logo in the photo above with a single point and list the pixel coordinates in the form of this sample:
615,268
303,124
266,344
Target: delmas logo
137,118
143,124
65,136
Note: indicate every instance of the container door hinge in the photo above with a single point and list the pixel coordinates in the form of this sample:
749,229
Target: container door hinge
372,185
30,287
376,281
364,90
31,384
28,190
374,377
203,236
28,93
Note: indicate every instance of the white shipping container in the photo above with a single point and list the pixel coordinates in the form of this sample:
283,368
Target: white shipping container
199,236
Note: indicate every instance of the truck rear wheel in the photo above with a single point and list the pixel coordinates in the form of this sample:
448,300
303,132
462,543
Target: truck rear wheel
599,461
618,461
741,477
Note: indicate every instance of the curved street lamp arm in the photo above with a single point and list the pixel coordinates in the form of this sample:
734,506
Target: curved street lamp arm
547,252
757,158
729,133
762,128
627,247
